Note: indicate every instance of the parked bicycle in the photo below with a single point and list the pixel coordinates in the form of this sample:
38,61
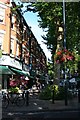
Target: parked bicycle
17,99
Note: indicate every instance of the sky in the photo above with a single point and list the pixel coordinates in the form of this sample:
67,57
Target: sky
32,20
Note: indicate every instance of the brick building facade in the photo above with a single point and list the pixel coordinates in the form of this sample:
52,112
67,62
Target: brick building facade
20,52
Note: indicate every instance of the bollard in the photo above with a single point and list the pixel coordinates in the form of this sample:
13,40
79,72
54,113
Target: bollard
53,92
66,97
27,98
53,96
79,96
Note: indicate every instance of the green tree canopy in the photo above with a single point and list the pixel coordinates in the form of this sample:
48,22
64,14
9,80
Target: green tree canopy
51,14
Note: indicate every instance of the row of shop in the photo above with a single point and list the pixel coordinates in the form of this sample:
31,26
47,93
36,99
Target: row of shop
9,74
11,70
12,74
21,56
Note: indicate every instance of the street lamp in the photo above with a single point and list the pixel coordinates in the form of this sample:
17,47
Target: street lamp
64,45
64,30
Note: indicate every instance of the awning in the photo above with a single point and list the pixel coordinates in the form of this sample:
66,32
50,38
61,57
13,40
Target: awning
21,72
5,70
32,77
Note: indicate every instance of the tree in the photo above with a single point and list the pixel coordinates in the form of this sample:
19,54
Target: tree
50,70
52,18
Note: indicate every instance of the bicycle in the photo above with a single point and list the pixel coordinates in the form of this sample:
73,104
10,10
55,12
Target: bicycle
17,99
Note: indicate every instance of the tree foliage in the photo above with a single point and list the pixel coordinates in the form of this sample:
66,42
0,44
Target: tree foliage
51,14
72,25
51,17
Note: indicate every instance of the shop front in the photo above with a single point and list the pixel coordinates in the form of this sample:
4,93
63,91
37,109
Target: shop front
10,68
5,74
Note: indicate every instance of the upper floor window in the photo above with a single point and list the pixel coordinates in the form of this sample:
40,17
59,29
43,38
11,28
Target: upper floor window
12,46
17,50
13,22
2,15
11,25
1,41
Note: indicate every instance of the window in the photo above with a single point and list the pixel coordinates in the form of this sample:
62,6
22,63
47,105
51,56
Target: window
12,46
11,25
13,22
1,40
13,19
17,51
2,15
1,18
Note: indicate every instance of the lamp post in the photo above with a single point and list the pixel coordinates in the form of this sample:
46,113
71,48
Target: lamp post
64,30
64,45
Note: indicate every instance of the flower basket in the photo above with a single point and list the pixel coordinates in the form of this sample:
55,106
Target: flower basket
64,56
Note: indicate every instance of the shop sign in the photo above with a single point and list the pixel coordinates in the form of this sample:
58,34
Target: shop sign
6,60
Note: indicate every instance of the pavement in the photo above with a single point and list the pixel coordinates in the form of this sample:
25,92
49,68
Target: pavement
35,104
39,106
